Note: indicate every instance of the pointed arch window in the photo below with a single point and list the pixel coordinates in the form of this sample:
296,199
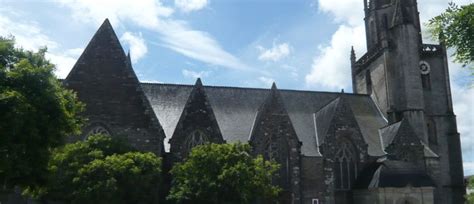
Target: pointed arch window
345,166
195,138
278,151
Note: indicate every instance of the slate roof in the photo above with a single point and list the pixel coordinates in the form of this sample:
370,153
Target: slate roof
391,173
235,110
366,114
389,133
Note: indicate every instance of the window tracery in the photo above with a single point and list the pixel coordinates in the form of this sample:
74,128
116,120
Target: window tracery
195,138
99,129
345,166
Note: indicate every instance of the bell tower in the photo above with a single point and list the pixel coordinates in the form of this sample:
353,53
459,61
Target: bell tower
389,71
409,81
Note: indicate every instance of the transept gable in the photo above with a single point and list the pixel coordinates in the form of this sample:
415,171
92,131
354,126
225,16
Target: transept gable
271,120
273,136
336,125
197,124
105,81
403,143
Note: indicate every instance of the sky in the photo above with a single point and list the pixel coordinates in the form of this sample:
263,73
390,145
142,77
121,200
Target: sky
299,44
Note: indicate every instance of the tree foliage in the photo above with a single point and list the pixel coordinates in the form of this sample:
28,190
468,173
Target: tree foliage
223,173
101,170
455,27
470,186
36,114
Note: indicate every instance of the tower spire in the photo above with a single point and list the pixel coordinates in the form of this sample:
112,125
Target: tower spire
353,56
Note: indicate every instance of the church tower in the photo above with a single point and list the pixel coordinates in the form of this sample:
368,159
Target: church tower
409,80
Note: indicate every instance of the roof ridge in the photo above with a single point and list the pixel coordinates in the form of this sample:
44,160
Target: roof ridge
255,88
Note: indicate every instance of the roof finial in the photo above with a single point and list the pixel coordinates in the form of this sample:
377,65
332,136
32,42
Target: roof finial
353,55
198,82
274,86
128,57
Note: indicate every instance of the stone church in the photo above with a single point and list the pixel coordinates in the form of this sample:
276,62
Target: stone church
392,141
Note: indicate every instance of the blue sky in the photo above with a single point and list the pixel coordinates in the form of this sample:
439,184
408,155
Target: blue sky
299,44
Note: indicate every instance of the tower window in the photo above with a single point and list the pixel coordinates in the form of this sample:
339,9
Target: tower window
425,75
432,136
425,81
373,32
368,82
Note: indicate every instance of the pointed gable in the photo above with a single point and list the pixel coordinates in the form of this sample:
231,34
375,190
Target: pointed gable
197,123
272,115
402,143
104,80
274,137
336,114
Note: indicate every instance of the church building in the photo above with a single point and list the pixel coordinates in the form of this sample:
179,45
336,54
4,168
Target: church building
393,140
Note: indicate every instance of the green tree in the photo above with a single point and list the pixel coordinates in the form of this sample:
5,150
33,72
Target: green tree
470,186
223,173
101,170
36,114
455,27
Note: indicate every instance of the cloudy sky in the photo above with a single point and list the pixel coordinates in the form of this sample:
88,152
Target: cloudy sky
299,44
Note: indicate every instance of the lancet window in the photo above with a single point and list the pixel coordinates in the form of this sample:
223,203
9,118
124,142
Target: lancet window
345,167
195,138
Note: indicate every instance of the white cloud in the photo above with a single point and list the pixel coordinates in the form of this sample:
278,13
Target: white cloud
275,53
29,36
63,61
146,13
267,82
137,45
152,15
331,69
346,11
190,5
194,75
196,44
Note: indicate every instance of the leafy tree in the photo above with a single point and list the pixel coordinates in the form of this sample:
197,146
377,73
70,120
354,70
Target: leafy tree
36,114
101,170
223,173
470,186
455,27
